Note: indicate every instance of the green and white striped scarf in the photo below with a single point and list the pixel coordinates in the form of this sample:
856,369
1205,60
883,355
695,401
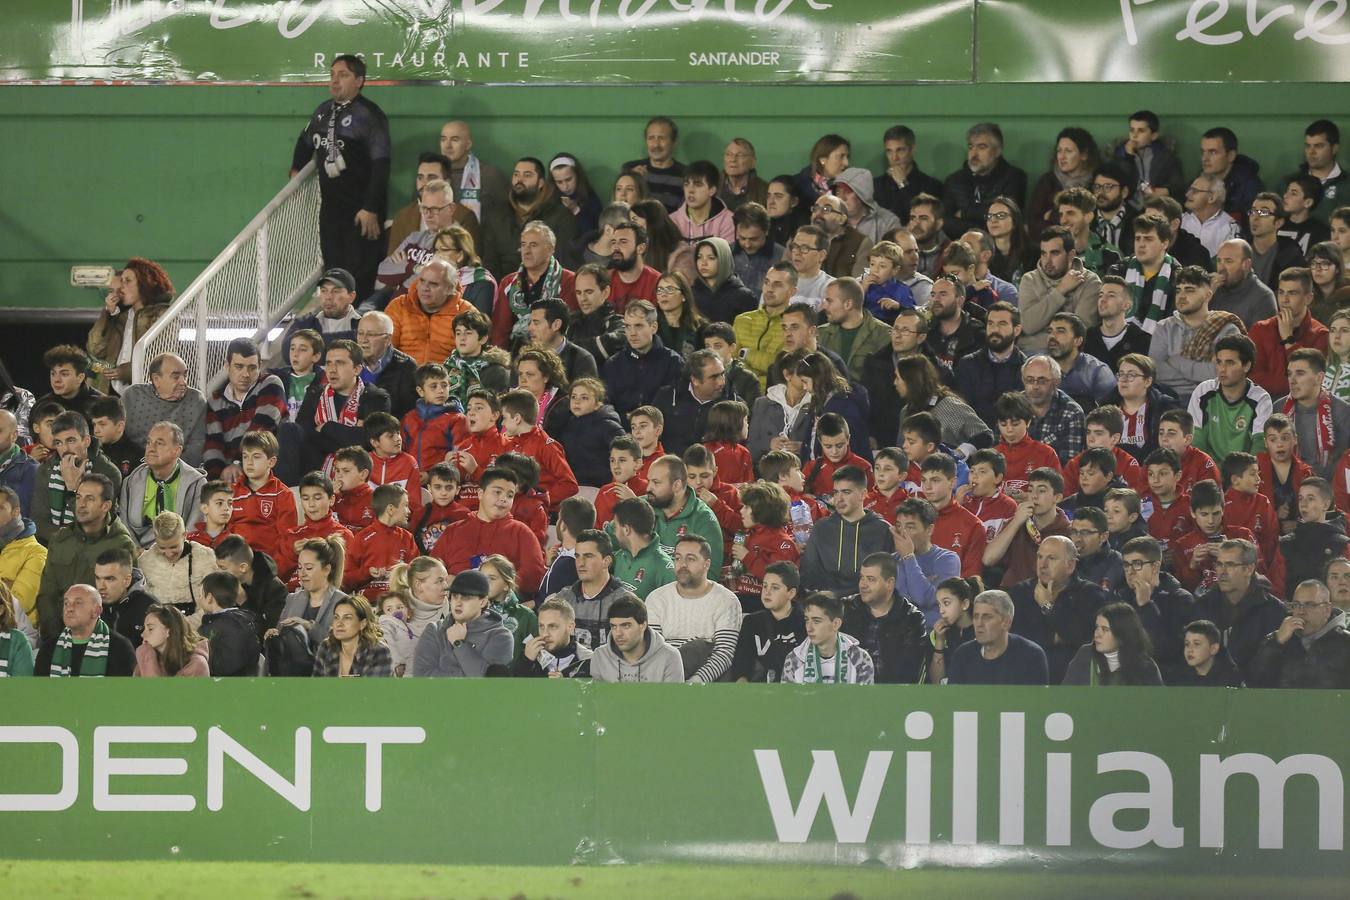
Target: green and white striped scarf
95,662
1149,310
5,638
811,671
61,499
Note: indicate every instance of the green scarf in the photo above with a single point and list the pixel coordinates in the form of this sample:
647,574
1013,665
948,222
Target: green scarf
60,499
811,672
5,638
465,375
520,306
1149,310
95,662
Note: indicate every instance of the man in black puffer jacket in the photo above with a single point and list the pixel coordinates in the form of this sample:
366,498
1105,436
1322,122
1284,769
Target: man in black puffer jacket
967,192
889,627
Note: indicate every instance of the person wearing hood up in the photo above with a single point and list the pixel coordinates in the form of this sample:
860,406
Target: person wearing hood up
719,293
846,248
855,187
471,641
1310,649
635,653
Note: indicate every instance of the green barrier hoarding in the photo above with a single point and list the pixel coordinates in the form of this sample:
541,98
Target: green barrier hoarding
491,41
676,41
1186,781
1164,40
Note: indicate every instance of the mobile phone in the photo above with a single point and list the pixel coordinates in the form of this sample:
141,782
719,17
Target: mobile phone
1077,264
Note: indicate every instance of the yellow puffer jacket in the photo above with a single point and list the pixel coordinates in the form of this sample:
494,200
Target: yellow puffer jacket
21,563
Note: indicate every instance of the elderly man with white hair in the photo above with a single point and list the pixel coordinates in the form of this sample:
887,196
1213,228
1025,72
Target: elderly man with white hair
997,656
1056,608
424,318
163,483
85,647
1205,217
166,397
387,367
1059,419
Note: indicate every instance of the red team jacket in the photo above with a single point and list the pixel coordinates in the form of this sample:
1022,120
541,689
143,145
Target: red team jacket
1256,513
532,509
1196,465
994,512
1022,457
467,542
733,462
198,535
1298,470
428,440
556,480
428,527
1168,525
1127,467
263,517
818,474
401,469
650,458
606,500
288,559
959,531
765,545
377,546
884,506
485,446
1195,577
352,508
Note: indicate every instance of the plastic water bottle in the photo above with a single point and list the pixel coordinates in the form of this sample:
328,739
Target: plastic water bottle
737,567
801,521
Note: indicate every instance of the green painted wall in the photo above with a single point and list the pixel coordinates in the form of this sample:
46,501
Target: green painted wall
94,175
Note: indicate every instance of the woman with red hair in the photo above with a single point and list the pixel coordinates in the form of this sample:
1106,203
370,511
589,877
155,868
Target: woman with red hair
138,297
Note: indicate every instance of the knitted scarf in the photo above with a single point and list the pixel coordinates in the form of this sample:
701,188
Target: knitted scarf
1149,310
95,662
5,638
1325,433
811,670
1336,380
470,183
519,303
326,412
58,495
1200,346
465,374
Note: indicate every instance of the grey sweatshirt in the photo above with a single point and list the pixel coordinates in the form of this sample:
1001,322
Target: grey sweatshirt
661,663
145,410
1251,301
488,643
1174,370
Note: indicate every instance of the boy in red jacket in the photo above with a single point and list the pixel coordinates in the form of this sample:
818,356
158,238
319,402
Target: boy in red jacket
520,410
1246,505
781,467
625,458
442,511
1021,452
382,544
264,508
492,529
217,511
483,445
351,477
388,463
1282,471
1166,507
768,540
832,430
646,424
723,499
1103,428
1175,431
888,471
1197,550
436,425
316,503
986,498
530,505
957,528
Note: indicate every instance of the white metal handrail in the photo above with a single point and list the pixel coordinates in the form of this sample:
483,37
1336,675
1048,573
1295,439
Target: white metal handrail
268,270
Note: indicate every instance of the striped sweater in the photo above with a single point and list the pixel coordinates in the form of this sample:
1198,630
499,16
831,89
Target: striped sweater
264,407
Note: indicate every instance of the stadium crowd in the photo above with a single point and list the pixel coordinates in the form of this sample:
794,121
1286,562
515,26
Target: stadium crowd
835,426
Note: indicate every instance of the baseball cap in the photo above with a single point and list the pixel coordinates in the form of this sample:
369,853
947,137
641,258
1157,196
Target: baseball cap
340,277
470,583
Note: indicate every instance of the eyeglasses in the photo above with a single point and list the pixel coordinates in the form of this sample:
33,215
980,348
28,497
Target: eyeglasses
1031,381
1196,190
999,216
667,290
1105,186
904,331
1139,565
1309,607
828,210
805,248
430,209
372,334
1262,213
1129,376
1321,264
1083,532
737,155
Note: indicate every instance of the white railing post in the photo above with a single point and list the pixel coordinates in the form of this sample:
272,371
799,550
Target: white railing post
263,261
203,365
